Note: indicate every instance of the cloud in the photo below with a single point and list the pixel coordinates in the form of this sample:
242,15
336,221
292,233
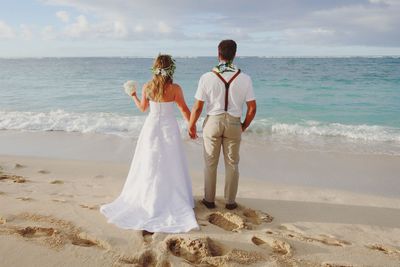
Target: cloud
83,28
48,33
336,22
120,29
138,28
163,27
26,32
6,32
78,28
63,16
375,24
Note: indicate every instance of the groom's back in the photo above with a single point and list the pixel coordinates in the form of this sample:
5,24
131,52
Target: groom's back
211,89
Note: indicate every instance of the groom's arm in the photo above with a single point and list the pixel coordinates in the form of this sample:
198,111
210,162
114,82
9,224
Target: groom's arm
194,116
250,114
251,105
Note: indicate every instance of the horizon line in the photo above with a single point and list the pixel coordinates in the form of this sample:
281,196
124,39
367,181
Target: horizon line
151,57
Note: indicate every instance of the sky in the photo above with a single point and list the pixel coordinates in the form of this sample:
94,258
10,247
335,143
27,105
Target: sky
74,28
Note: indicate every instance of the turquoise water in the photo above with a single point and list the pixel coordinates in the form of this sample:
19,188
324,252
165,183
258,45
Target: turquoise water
353,99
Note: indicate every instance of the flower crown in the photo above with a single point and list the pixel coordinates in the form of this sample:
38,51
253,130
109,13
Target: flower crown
168,71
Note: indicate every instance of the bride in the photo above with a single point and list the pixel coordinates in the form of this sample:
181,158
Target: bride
157,194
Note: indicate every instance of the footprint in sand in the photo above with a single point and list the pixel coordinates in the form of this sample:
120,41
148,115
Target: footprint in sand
257,217
193,250
235,220
90,207
43,171
330,240
164,263
336,264
147,236
276,246
14,178
207,251
50,231
24,198
146,259
386,249
325,239
59,200
19,166
57,182
227,221
85,239
35,231
82,240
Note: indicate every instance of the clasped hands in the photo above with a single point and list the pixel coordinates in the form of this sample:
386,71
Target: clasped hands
192,131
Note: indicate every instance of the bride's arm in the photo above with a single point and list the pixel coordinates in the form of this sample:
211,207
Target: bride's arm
143,104
180,101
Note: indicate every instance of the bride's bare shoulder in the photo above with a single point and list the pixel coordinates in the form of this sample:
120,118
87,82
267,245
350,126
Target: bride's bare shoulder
178,92
176,87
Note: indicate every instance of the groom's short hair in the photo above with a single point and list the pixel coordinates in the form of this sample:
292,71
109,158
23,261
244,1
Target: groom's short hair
227,49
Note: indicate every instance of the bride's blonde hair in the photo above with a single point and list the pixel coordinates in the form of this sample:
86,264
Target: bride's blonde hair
163,71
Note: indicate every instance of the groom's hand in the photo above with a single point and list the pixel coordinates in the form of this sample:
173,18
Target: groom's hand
243,127
192,132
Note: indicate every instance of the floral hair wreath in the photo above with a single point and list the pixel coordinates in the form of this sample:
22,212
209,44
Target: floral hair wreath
168,71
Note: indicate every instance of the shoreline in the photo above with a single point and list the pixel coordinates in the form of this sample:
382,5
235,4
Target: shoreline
271,163
304,135
249,187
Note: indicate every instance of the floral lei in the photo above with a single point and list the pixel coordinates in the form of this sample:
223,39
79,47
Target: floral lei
168,71
225,67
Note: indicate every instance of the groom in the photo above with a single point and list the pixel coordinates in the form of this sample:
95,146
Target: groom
225,89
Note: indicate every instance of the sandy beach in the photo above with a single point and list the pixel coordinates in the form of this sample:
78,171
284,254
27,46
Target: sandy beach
308,92
49,209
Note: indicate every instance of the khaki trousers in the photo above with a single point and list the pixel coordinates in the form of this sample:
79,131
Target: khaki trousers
223,131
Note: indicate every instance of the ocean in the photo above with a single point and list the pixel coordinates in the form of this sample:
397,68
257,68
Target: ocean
347,104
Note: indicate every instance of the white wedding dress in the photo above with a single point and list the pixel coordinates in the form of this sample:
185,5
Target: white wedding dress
157,194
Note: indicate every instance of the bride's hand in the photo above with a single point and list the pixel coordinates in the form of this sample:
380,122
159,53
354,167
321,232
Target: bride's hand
130,87
192,132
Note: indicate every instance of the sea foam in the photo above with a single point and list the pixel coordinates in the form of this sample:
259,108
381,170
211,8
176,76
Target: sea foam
129,126
60,120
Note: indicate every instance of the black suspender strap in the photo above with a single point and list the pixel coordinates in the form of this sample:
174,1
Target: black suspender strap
227,84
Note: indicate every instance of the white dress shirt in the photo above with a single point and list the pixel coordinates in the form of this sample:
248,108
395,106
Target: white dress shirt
212,91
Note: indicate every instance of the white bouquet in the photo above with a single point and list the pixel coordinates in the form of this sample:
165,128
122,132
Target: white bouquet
130,87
